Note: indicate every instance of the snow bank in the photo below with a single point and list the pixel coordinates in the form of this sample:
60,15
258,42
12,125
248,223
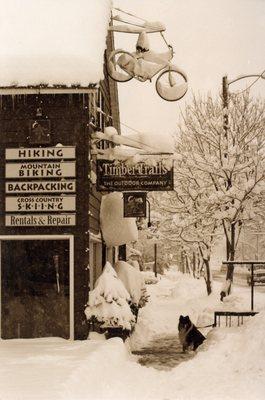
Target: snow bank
116,229
54,42
230,365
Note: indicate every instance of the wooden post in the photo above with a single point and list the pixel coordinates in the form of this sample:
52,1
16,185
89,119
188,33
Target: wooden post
194,263
252,287
225,106
155,263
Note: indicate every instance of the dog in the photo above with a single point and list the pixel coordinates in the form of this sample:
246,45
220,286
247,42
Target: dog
190,337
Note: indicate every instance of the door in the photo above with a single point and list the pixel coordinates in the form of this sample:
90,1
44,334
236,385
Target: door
35,288
95,262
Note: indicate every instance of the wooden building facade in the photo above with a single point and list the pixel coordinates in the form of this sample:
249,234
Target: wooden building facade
51,250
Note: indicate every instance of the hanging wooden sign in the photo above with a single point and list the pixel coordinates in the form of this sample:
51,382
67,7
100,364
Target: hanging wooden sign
134,204
118,176
40,203
18,220
41,170
41,153
51,186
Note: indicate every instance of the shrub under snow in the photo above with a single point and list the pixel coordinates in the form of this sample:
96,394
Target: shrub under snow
133,281
108,302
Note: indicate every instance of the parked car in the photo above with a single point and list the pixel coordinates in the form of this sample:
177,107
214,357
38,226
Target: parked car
258,277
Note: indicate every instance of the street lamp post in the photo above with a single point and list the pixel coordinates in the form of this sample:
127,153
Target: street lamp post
225,90
225,105
225,94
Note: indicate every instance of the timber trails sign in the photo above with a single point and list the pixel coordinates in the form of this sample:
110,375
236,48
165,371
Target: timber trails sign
120,176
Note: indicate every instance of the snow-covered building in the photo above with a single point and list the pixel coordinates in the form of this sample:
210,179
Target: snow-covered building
52,85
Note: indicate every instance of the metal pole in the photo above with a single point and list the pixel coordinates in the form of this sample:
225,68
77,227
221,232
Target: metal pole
252,287
155,264
149,223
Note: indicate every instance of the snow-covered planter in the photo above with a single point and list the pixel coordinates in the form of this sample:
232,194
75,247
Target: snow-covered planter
134,283
108,304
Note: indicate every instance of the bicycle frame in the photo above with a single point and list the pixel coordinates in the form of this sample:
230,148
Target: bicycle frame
148,64
144,64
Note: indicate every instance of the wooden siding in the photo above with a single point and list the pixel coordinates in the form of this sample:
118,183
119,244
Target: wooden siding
69,115
69,119
107,100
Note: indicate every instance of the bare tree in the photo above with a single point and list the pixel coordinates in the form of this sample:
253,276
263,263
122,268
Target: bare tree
219,174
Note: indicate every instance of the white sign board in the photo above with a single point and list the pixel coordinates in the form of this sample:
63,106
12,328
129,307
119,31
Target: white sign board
38,153
51,186
18,220
40,203
41,170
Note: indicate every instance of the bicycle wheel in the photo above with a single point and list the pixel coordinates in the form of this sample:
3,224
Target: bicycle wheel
172,84
120,65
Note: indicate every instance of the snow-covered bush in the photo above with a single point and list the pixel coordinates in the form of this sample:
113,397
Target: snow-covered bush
134,283
108,302
134,264
150,278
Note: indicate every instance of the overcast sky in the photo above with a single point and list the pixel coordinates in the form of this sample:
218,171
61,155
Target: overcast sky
211,38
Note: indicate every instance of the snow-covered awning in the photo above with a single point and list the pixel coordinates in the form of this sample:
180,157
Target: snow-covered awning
52,42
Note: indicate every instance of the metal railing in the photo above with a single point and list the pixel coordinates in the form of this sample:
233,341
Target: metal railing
229,316
251,264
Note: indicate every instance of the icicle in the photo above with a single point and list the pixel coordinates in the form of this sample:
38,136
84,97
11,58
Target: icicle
70,99
13,96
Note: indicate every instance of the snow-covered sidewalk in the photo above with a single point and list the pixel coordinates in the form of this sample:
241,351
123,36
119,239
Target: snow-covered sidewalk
229,365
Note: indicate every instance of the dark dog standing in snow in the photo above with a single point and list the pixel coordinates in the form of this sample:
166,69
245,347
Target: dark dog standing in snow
190,337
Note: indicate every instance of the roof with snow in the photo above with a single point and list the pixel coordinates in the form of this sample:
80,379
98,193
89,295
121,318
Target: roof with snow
52,42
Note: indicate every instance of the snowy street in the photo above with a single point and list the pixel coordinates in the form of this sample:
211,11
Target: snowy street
54,368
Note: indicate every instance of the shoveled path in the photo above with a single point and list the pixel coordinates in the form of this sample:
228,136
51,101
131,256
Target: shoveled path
163,353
